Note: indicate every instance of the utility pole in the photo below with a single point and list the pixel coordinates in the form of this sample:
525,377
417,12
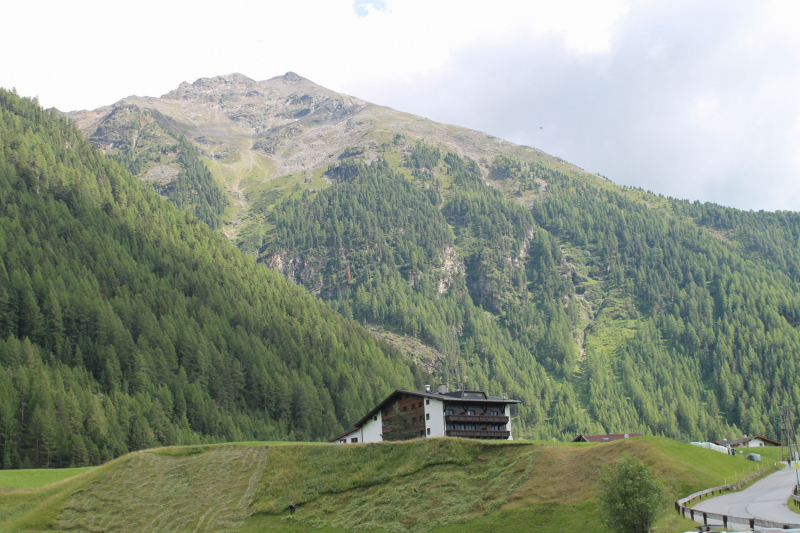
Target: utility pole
789,439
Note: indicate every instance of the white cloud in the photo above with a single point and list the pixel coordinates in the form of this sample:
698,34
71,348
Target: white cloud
696,101
87,53
362,8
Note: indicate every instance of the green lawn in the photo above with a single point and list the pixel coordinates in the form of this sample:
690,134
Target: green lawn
418,486
17,479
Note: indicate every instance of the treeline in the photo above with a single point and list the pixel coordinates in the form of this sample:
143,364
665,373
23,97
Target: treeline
194,189
128,323
763,236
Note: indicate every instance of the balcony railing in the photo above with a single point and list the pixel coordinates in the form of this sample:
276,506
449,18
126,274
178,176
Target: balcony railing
476,434
477,418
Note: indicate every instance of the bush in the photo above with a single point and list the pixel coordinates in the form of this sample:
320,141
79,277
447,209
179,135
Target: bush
630,497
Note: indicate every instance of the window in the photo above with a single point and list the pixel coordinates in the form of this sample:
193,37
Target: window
460,426
343,441
429,431
421,432
450,426
405,408
420,405
494,413
471,428
413,407
427,402
473,395
495,428
375,418
448,411
427,416
472,413
354,440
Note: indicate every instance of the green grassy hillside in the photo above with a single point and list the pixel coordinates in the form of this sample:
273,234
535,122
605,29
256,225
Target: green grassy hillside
430,485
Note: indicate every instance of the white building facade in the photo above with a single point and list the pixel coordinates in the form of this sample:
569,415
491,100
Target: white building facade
440,413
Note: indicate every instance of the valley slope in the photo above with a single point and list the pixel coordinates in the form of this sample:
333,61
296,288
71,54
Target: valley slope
603,308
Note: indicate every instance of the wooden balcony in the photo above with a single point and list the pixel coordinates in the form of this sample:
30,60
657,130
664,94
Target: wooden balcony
478,434
476,419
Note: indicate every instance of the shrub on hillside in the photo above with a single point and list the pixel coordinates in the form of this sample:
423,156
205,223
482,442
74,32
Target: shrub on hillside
630,497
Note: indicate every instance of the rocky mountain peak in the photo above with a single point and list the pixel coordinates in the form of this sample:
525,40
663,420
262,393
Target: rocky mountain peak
216,86
291,77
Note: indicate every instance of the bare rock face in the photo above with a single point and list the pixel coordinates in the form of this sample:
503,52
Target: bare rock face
451,265
252,132
161,173
296,123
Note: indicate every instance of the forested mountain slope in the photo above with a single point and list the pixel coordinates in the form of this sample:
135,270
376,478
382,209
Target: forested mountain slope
679,333
127,323
603,308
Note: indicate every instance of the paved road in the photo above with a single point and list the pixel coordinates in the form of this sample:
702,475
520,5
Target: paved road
765,499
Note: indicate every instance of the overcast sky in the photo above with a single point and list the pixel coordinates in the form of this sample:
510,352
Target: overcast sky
697,100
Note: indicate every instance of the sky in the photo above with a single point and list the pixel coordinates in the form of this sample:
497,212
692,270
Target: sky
696,100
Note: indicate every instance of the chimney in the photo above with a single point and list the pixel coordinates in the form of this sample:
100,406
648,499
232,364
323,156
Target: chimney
443,389
427,388
504,395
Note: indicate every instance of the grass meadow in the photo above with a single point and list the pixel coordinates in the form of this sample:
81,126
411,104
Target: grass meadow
419,486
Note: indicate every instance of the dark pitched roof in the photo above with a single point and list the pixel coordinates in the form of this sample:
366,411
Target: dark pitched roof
605,438
743,440
455,396
346,433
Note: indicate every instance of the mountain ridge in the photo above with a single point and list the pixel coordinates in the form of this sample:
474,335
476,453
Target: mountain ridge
87,120
563,289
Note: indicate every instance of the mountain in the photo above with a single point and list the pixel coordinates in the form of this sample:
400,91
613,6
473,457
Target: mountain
250,132
603,308
127,323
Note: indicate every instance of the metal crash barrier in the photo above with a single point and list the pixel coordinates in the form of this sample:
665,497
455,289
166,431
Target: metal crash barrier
756,524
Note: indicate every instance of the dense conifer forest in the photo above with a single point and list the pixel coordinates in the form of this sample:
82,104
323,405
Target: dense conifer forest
601,312
126,323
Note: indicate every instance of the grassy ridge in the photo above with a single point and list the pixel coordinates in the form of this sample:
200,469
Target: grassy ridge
430,485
